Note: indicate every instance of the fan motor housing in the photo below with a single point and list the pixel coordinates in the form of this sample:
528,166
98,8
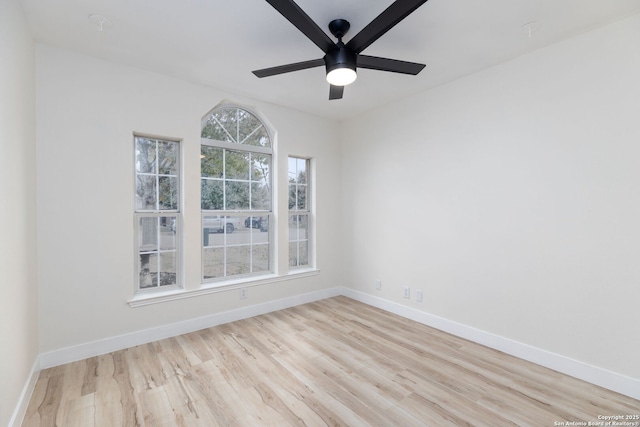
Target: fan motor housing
343,57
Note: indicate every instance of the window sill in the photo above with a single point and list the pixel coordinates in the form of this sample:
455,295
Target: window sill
211,288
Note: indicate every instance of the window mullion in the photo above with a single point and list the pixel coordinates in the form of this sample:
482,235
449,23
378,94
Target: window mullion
224,128
224,179
236,147
158,259
238,125
157,176
249,135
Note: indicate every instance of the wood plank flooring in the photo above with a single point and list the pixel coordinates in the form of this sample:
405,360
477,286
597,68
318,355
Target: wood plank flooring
335,362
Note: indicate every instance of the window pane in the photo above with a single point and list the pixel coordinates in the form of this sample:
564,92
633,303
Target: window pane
217,230
211,162
146,192
213,263
213,225
261,168
167,233
167,268
228,118
298,227
302,171
293,254
301,197
303,252
237,233
148,269
260,197
168,158
261,225
261,185
260,257
264,228
213,130
259,138
148,234
212,195
213,237
168,193
292,196
238,260
237,165
292,173
298,253
248,126
303,227
145,155
237,195
220,125
252,222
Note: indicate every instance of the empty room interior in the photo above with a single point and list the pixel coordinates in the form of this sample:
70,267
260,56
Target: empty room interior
201,227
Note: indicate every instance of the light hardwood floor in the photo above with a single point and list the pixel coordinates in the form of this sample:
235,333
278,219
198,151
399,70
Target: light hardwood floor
335,362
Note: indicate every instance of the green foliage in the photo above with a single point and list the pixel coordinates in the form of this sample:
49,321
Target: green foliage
211,162
212,194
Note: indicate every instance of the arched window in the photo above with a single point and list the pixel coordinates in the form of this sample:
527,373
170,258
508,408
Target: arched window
236,194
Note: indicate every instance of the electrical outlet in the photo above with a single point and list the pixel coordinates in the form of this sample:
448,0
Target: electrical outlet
243,293
419,295
406,292
378,285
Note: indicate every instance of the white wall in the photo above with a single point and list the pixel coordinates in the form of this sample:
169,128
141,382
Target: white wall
511,198
86,113
18,305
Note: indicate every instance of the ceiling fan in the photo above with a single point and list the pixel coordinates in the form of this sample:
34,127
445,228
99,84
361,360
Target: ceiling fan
341,60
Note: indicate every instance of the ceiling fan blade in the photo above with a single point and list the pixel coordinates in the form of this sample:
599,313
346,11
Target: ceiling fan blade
273,71
335,92
386,64
395,13
290,10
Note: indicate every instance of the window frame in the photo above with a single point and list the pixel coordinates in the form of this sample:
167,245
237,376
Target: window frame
227,146
138,214
296,212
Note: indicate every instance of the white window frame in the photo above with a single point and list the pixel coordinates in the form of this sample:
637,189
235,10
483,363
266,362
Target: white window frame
226,146
159,213
295,212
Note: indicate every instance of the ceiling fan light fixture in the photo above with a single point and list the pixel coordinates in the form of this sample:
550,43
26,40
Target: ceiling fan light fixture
342,76
341,66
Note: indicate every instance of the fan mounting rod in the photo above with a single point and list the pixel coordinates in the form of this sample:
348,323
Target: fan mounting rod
339,27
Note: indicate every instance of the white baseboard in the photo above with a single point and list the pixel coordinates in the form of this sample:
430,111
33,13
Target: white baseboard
575,368
104,346
27,391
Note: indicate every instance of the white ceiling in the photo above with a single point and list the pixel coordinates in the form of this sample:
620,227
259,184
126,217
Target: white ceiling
218,43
